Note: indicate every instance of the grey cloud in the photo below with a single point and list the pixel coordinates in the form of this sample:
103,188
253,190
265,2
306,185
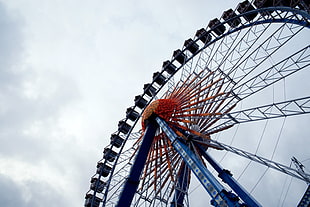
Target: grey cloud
10,193
11,49
28,194
11,41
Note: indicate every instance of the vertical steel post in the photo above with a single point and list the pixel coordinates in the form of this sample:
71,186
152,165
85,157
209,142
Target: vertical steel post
132,182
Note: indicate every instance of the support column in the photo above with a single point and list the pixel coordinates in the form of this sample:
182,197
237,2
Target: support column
181,186
132,182
227,177
220,197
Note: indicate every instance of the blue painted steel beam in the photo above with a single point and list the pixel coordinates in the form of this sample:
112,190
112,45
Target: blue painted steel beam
132,182
226,176
181,186
220,197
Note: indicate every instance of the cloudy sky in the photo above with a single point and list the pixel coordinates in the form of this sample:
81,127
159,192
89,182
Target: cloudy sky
68,71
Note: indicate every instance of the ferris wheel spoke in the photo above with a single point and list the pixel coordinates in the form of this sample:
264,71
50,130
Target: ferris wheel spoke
158,187
242,51
210,121
283,109
233,47
271,75
244,62
150,193
251,59
264,161
279,71
245,44
188,67
126,156
275,73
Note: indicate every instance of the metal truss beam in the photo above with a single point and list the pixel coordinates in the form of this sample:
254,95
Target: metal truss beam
245,88
286,67
269,163
270,111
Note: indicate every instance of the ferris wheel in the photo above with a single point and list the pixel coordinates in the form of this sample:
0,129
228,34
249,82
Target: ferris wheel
226,119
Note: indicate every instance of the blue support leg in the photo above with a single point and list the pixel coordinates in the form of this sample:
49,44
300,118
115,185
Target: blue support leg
181,187
226,176
220,197
132,182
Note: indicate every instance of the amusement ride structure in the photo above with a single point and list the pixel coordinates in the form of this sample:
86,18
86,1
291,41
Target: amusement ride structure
238,83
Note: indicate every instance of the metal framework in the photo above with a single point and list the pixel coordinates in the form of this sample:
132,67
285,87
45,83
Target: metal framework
220,197
275,110
266,162
236,63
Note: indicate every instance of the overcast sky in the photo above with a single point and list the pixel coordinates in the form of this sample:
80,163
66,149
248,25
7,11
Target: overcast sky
68,71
